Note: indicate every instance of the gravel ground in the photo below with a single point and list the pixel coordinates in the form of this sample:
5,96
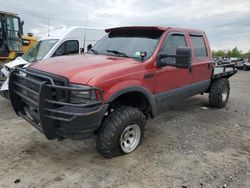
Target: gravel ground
191,145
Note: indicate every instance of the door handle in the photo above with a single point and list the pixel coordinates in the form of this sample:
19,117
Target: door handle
148,75
209,65
190,70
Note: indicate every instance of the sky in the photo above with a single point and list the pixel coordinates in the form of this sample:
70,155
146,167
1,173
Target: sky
226,22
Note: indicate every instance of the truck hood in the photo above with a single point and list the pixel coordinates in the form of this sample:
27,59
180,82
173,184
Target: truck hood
82,68
17,62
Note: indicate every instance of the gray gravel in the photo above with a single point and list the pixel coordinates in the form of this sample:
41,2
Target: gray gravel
191,145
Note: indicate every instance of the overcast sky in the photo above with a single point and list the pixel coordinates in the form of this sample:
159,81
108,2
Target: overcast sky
226,22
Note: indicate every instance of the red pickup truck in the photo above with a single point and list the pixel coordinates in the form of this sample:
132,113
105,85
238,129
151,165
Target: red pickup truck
129,76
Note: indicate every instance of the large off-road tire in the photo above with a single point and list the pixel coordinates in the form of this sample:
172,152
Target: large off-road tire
121,132
219,92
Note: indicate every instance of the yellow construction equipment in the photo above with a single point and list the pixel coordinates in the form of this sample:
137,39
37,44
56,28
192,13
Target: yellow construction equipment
12,41
27,41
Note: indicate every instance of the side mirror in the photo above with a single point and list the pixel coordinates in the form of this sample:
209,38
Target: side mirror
89,47
183,57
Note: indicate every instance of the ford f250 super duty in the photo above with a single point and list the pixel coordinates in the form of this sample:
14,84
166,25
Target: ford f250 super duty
130,75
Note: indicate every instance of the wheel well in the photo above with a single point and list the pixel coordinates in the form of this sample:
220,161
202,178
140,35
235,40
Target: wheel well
135,99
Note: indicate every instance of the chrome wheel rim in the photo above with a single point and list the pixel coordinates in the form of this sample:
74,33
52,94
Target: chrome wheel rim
130,138
224,94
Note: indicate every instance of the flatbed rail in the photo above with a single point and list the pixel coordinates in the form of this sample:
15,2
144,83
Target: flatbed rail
224,71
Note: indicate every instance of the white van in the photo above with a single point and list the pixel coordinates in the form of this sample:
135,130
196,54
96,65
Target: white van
61,41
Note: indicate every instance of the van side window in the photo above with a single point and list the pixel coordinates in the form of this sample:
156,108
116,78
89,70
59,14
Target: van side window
199,46
72,47
67,47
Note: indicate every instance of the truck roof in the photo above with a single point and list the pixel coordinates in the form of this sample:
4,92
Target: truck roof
8,13
158,28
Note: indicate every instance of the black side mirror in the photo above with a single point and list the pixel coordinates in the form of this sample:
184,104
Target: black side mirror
183,57
89,47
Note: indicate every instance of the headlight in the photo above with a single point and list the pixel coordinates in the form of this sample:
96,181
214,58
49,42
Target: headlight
86,95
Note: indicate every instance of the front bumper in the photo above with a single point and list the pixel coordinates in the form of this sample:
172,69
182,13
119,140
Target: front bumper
45,105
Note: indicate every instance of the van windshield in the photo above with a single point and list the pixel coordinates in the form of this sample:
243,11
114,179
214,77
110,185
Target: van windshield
39,50
128,43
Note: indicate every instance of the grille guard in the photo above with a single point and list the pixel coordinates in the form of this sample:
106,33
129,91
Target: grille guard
50,111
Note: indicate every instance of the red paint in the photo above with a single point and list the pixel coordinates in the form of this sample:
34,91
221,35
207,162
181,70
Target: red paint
112,74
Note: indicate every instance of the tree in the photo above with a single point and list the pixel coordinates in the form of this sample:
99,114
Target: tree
246,55
218,53
229,53
235,52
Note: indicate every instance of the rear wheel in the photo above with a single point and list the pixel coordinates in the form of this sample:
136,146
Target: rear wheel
219,92
121,132
244,68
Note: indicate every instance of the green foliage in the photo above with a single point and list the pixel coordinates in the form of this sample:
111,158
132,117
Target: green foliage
235,52
246,55
219,53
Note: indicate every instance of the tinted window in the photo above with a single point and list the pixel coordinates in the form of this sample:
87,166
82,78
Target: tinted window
72,47
67,47
129,43
198,45
172,43
14,41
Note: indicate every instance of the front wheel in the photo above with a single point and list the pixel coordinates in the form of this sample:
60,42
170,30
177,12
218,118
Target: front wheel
121,132
219,92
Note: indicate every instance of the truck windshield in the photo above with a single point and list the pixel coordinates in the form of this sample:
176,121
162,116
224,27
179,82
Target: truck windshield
128,43
14,40
39,50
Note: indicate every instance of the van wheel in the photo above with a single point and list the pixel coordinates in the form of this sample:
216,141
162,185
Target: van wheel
219,92
121,132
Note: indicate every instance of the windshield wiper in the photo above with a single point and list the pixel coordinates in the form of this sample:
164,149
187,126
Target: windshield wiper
92,50
117,53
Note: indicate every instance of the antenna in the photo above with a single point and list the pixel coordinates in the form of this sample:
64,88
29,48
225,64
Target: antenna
48,26
85,34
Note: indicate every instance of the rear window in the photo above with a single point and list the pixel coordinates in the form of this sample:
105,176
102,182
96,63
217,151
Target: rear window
199,46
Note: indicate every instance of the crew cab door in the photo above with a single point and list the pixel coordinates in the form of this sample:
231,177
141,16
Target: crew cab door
201,63
172,84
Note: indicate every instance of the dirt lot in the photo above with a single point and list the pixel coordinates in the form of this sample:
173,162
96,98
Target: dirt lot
191,145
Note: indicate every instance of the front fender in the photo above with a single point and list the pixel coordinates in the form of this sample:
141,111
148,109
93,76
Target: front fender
121,89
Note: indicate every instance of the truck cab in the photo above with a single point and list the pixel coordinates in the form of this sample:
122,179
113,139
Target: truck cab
130,75
11,30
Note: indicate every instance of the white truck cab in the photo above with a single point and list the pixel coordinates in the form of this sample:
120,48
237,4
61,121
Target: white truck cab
61,41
